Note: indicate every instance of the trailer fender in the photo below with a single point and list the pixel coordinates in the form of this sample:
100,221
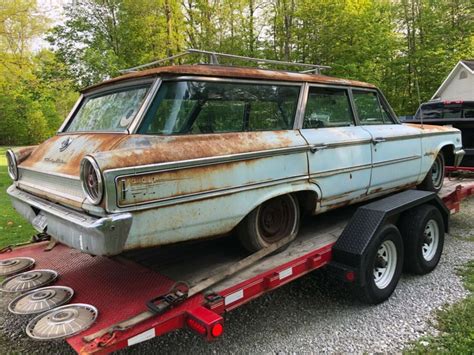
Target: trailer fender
350,250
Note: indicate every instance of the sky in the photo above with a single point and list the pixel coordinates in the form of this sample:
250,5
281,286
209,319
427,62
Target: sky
53,9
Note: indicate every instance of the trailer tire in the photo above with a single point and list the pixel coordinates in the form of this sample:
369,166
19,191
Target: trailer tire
270,222
422,229
434,179
382,266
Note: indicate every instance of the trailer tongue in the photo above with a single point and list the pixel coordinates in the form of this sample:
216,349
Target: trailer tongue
120,288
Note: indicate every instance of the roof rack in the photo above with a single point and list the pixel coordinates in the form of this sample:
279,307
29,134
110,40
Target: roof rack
213,59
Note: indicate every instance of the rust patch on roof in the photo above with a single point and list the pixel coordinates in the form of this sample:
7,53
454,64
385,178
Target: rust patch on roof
231,72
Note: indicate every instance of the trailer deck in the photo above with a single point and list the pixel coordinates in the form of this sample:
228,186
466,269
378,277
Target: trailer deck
120,287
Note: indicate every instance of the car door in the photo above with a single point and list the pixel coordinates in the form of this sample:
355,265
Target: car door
340,152
396,148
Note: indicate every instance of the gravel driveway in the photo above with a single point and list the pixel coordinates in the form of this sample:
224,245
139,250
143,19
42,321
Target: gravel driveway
310,314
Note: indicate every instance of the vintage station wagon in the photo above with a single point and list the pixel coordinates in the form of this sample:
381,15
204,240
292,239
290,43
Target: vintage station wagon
184,152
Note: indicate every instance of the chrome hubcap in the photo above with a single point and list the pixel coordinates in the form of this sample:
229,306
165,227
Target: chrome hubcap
437,172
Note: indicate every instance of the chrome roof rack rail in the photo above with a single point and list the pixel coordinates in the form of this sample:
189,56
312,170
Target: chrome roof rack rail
213,59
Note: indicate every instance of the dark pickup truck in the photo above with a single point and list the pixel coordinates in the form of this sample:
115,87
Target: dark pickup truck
459,114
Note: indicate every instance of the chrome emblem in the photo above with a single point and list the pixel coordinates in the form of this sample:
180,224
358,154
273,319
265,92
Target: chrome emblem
65,143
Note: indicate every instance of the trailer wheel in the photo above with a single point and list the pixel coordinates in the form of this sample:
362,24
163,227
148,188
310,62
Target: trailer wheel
270,222
383,265
434,179
423,232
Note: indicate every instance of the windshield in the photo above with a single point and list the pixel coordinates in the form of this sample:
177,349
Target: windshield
200,107
111,111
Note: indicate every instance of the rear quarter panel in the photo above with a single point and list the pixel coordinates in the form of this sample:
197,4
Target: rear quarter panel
190,187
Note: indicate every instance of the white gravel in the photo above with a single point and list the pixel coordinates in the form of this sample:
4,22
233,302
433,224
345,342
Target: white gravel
312,314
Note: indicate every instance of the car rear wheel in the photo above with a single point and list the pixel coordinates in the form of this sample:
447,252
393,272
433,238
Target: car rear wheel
270,222
435,177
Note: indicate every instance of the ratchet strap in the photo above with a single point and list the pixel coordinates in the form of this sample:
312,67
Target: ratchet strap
181,291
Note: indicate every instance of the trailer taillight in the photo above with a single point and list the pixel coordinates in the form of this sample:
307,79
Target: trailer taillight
217,330
196,326
350,276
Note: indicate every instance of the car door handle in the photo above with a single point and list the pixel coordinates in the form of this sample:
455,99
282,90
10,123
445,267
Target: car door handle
378,140
316,148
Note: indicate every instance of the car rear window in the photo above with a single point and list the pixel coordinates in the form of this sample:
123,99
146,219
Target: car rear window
202,107
112,111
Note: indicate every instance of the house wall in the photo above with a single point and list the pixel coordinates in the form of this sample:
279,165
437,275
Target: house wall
459,89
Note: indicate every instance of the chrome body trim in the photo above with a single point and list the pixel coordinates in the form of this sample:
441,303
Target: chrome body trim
395,161
298,122
193,163
96,236
207,194
340,171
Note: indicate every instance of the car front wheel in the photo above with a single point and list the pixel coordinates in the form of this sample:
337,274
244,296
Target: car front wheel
272,221
435,177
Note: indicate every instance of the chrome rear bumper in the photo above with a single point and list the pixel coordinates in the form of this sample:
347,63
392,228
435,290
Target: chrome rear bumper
96,236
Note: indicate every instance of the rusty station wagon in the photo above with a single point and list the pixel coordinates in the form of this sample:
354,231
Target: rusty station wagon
183,152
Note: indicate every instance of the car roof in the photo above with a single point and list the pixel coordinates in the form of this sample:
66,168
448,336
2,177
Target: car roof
231,72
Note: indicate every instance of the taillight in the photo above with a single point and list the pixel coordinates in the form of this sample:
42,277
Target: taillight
196,326
91,178
12,165
217,330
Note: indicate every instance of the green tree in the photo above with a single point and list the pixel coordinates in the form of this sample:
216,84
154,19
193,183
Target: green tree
33,94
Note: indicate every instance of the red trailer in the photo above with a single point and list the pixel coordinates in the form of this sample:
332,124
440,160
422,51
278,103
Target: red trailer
153,284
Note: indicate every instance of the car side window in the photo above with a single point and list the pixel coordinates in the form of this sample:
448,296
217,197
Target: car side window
369,108
202,107
327,107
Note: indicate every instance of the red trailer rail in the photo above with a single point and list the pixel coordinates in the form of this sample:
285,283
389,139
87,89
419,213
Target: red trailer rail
120,287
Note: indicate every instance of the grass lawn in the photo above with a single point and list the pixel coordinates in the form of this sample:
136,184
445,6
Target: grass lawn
455,323
13,228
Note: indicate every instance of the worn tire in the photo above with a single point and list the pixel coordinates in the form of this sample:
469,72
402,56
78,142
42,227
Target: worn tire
434,179
422,229
270,222
382,272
